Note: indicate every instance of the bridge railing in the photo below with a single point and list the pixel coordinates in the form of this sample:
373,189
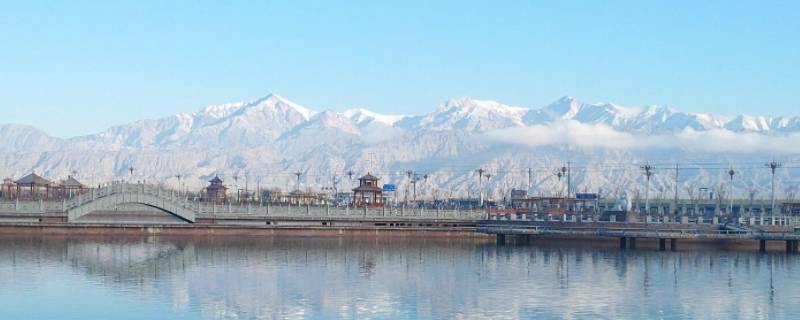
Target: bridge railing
291,211
128,188
635,232
300,212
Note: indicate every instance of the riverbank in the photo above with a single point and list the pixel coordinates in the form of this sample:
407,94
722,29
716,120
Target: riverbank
236,230
361,231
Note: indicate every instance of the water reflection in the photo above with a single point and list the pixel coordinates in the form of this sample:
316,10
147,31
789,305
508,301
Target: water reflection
221,277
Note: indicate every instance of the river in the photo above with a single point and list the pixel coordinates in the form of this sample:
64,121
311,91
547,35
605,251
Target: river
90,277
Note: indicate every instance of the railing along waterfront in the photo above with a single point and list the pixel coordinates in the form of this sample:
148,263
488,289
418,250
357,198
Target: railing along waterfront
308,211
655,232
166,198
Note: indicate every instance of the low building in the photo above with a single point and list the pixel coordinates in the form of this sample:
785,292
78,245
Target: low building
298,197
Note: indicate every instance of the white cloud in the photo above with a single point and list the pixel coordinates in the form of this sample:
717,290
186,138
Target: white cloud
573,133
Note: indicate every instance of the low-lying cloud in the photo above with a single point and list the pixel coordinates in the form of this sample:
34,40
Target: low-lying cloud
602,136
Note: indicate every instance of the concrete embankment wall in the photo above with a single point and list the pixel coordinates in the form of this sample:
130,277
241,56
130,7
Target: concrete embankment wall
190,230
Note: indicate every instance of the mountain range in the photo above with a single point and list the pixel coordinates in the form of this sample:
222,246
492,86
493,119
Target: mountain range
266,141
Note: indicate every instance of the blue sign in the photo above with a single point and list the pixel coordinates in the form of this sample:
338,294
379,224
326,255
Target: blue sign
586,196
389,187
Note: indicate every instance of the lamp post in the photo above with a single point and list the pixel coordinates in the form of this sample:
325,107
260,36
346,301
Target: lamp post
647,173
180,187
773,165
731,173
236,185
480,172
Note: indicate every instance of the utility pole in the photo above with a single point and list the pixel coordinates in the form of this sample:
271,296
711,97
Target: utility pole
730,195
350,177
569,179
180,187
530,180
258,189
425,180
647,173
413,180
488,186
773,165
131,170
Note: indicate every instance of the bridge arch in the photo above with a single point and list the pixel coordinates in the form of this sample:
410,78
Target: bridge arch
120,198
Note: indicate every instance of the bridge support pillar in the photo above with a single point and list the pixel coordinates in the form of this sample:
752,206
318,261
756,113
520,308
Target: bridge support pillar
791,246
762,245
662,244
501,239
623,243
673,244
632,243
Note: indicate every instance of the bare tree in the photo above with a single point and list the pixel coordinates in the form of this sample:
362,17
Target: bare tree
791,193
721,196
751,194
636,198
690,190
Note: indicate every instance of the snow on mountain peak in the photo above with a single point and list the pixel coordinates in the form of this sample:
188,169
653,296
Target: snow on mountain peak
360,116
474,105
275,101
272,102
473,115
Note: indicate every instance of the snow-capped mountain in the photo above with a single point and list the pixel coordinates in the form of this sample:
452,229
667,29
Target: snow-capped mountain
269,139
362,116
471,115
652,119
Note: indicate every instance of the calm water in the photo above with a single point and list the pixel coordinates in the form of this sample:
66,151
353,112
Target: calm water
330,278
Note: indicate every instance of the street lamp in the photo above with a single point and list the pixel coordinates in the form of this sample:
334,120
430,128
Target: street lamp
773,165
731,173
236,185
480,172
647,173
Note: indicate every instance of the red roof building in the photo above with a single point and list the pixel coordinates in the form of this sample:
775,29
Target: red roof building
216,192
368,193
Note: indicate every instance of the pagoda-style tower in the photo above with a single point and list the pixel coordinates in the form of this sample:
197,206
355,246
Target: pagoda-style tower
216,192
368,193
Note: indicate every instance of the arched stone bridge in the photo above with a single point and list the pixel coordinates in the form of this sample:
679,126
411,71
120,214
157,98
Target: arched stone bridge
119,194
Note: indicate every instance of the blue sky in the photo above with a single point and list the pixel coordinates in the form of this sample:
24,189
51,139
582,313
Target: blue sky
80,66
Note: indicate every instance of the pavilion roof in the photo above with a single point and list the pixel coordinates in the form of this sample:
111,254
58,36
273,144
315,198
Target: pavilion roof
34,179
368,176
71,182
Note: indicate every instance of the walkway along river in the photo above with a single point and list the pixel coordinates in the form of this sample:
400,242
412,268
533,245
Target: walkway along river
145,209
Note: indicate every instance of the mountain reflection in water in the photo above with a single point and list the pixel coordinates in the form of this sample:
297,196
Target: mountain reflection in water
300,277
